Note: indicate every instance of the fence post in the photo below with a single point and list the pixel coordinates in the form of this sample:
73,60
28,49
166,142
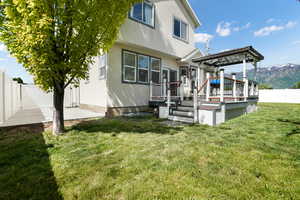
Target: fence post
222,81
234,87
151,88
207,86
2,97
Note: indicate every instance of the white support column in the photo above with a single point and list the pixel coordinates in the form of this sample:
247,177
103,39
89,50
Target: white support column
181,89
222,82
234,87
195,98
198,78
151,90
169,99
246,85
2,97
202,78
244,68
252,89
165,88
255,71
207,86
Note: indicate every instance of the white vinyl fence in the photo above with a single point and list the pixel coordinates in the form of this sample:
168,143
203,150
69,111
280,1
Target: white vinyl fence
15,97
34,97
10,97
279,96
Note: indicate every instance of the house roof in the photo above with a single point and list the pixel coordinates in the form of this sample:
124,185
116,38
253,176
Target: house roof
191,55
231,57
191,12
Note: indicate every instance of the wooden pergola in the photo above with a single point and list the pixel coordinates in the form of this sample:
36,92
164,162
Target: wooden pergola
233,57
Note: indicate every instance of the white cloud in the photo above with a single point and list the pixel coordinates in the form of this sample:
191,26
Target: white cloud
270,20
296,42
202,37
291,24
240,28
265,31
224,29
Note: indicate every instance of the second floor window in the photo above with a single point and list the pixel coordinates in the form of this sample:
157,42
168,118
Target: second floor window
143,12
180,29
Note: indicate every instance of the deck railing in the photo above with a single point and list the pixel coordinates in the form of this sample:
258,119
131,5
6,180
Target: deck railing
163,90
224,89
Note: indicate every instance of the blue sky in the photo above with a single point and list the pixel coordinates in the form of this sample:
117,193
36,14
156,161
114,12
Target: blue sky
270,26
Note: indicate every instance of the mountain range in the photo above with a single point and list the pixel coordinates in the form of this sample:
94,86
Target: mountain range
278,77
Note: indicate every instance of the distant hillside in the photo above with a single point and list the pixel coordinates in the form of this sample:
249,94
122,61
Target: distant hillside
284,76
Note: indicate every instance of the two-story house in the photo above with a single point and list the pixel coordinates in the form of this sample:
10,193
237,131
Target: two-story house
156,42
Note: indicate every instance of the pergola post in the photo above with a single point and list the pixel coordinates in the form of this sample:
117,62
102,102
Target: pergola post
255,71
246,83
222,80
164,88
151,90
252,89
208,86
234,87
169,99
198,78
195,105
181,89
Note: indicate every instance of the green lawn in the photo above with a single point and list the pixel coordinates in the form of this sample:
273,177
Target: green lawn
252,157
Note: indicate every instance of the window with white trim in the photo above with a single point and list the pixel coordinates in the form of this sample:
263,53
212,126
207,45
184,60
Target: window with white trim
129,67
143,12
180,29
102,66
155,70
143,69
139,68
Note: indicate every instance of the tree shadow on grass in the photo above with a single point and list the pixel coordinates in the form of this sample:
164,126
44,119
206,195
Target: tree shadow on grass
136,125
25,168
296,130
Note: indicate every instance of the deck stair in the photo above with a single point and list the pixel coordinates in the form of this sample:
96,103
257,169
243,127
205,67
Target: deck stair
185,111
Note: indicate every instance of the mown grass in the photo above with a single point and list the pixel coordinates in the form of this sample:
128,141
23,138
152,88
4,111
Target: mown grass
251,157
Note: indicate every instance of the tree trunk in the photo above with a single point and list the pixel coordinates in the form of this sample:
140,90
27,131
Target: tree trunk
58,112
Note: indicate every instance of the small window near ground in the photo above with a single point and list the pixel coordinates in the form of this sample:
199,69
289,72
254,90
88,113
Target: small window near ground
180,29
143,12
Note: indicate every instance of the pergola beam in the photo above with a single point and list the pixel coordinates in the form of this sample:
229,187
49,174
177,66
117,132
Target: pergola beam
232,57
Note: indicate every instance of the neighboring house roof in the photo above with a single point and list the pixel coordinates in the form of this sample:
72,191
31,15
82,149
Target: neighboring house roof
191,55
191,12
